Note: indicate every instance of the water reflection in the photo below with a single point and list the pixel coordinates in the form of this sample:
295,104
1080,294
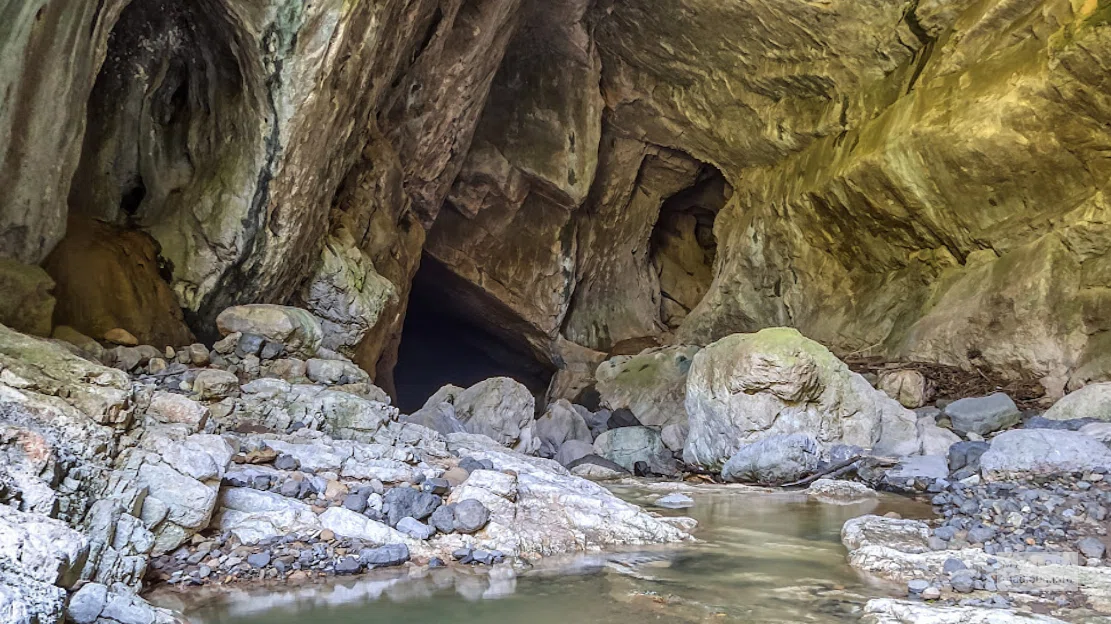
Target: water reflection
763,557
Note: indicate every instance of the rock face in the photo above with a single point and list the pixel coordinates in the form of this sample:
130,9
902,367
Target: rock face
747,387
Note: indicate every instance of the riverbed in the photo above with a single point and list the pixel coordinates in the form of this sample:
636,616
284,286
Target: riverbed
762,557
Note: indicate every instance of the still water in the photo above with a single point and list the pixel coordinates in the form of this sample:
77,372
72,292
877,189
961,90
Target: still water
762,558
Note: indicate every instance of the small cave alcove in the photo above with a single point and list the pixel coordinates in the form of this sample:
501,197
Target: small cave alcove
456,334
683,244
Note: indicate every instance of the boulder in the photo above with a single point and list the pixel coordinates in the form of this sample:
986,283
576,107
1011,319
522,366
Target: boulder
1042,451
215,384
837,492
1091,401
652,384
295,328
1099,431
26,304
470,516
498,408
934,440
404,502
597,468
573,450
774,460
745,387
965,456
439,418
350,524
982,415
334,372
560,424
629,445
621,417
909,387
170,408
675,436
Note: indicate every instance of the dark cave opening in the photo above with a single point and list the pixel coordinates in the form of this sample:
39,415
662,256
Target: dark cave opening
456,334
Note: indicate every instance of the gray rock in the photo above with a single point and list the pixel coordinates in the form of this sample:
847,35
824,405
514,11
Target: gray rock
622,417
674,501
962,582
384,556
981,534
560,424
917,586
470,516
415,529
776,459
439,417
982,415
597,468
1042,451
259,560
404,502
286,462
952,565
348,565
966,455
573,450
87,603
1091,547
356,502
1041,422
1092,402
470,464
443,519
290,488
436,486
628,445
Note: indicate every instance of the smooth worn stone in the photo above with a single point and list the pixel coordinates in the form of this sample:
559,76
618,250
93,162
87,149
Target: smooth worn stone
259,560
404,501
415,528
439,418
982,415
286,462
443,519
120,336
1042,451
909,387
840,492
1091,547
628,445
573,450
297,329
966,455
747,387
774,460
499,408
651,385
384,556
349,565
1093,401
597,468
560,424
470,516
674,501
211,384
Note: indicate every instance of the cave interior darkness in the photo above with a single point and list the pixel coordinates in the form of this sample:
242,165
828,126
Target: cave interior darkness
455,334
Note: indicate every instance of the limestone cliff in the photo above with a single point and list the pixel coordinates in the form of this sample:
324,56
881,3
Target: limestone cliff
914,179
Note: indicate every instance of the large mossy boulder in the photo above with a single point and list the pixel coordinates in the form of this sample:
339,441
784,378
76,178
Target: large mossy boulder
651,384
746,387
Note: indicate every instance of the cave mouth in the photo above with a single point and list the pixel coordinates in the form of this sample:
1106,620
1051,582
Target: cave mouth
454,333
683,245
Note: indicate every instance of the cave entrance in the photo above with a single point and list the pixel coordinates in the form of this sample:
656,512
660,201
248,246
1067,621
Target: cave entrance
455,333
683,246
164,133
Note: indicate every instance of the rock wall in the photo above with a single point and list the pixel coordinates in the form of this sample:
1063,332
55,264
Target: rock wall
914,179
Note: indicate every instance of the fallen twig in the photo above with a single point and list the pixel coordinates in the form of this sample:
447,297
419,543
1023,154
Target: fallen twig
821,473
